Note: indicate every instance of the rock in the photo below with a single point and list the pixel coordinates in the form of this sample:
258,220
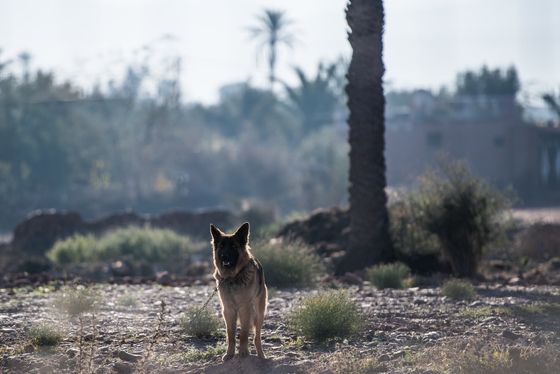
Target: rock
123,368
120,268
72,352
351,278
384,358
47,369
125,356
163,278
432,335
510,335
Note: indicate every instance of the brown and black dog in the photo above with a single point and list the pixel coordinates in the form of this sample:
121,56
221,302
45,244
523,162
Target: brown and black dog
242,290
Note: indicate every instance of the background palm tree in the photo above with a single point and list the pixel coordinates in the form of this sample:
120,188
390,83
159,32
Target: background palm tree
272,31
370,241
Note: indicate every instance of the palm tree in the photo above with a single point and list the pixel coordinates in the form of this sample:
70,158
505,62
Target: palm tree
316,99
272,31
370,241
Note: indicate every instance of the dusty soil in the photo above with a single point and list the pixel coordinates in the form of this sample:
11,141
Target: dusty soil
399,322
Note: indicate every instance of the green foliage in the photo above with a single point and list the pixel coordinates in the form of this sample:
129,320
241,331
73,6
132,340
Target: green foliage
77,248
488,82
328,315
200,322
388,275
206,354
465,214
290,264
77,301
45,335
160,246
457,289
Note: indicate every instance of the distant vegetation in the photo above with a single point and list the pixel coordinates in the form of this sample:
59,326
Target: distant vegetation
122,146
141,244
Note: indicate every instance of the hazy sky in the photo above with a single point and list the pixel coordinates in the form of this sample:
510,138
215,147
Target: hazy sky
426,42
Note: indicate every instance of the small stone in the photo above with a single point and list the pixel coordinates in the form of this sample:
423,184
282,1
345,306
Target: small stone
432,335
72,352
511,335
123,368
398,354
163,278
125,356
29,348
384,358
47,369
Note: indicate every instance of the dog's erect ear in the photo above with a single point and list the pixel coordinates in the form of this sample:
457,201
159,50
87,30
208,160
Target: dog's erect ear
216,233
242,233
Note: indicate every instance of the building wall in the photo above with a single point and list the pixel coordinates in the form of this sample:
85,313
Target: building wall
502,152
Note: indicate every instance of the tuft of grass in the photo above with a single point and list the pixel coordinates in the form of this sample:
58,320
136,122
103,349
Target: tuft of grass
486,355
388,275
457,289
45,335
290,264
77,301
159,246
200,322
328,315
205,354
127,301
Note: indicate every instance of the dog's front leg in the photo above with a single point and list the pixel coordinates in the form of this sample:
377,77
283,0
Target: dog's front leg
230,318
245,317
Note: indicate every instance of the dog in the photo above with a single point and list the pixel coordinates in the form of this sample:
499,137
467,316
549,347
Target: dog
241,287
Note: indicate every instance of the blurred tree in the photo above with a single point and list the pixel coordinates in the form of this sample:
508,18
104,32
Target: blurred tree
488,82
552,102
316,99
39,130
370,241
272,29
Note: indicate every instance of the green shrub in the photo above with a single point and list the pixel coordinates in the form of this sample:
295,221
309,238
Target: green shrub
388,275
290,264
77,301
77,248
45,335
328,315
463,212
163,247
199,322
456,289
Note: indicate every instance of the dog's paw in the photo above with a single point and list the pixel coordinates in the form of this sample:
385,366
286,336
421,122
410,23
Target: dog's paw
227,356
243,353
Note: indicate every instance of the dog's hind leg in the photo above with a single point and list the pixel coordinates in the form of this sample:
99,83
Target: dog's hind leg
230,318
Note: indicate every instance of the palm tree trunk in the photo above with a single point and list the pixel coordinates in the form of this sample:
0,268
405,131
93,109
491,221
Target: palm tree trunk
370,241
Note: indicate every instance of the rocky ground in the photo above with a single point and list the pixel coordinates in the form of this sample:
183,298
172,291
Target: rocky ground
402,327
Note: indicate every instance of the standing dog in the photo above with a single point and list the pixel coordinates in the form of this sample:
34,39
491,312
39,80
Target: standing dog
243,293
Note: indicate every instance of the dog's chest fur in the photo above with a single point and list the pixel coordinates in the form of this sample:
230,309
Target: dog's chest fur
241,287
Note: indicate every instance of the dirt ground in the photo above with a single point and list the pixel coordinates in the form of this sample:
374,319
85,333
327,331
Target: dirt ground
400,323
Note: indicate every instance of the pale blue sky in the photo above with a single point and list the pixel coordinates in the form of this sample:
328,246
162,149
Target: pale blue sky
427,42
